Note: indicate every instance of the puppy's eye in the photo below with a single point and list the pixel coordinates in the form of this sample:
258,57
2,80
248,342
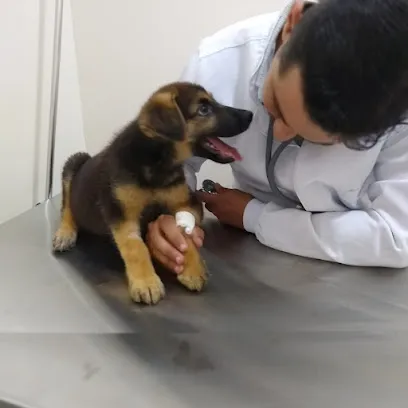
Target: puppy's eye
204,109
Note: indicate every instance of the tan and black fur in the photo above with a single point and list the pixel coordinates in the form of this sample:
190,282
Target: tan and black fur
139,176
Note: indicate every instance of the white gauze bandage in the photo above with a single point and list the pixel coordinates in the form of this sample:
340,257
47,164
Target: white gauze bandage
185,220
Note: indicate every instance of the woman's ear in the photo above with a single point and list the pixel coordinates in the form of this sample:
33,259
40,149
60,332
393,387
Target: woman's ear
294,17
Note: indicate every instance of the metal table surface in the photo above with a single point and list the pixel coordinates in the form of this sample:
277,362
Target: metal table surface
271,330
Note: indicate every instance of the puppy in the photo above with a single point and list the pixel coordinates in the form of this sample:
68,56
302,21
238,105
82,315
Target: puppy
139,176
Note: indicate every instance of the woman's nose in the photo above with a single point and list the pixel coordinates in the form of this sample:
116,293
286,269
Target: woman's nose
281,131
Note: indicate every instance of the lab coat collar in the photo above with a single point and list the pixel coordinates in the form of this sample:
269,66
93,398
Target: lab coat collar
258,79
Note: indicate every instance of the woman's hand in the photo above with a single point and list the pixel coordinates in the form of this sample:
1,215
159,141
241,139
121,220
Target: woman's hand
167,242
228,205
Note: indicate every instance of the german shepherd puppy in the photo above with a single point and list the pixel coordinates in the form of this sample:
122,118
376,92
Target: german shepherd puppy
140,176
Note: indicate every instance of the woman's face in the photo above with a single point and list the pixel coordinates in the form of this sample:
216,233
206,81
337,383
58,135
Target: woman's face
283,99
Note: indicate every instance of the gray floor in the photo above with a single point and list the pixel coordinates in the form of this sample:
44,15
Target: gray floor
271,330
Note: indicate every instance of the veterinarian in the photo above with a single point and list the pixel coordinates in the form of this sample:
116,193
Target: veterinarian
325,162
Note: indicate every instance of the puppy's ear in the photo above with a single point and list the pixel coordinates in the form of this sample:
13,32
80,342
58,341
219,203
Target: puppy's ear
162,117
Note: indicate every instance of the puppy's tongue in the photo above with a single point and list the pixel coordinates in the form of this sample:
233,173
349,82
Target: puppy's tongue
225,149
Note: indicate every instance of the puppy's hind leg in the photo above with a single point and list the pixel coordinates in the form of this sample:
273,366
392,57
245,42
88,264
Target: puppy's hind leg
66,235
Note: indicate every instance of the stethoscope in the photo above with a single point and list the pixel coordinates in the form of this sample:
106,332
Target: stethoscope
270,163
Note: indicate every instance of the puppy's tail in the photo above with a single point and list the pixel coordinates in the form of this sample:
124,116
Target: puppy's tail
73,165
69,171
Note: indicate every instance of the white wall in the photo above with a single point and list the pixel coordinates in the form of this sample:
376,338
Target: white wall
26,46
126,48
123,50
19,49
69,130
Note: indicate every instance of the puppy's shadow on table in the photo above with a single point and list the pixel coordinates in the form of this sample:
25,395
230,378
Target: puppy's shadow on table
168,334
99,261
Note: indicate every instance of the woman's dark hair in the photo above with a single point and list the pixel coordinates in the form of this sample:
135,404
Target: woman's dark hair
353,57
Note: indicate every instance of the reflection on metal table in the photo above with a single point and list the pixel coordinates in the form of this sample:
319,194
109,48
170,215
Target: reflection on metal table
270,330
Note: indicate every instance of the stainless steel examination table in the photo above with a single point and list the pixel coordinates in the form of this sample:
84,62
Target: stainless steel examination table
271,330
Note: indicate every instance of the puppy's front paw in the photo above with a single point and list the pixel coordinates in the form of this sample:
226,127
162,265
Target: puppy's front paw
64,239
194,277
148,290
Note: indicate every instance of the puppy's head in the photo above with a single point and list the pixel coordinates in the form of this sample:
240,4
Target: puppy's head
187,115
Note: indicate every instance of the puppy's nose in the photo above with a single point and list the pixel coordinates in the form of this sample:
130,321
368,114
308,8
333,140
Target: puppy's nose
242,117
247,117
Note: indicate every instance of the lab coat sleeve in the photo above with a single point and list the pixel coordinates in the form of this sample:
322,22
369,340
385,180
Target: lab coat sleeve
191,73
377,236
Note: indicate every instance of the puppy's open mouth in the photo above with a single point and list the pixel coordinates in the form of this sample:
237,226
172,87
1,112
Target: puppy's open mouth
221,149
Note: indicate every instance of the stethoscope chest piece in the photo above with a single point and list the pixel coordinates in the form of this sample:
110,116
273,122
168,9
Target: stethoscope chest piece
208,186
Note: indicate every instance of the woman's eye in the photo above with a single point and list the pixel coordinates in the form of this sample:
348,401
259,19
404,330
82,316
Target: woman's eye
204,110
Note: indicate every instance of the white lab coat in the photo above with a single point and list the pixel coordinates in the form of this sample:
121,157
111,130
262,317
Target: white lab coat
355,203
